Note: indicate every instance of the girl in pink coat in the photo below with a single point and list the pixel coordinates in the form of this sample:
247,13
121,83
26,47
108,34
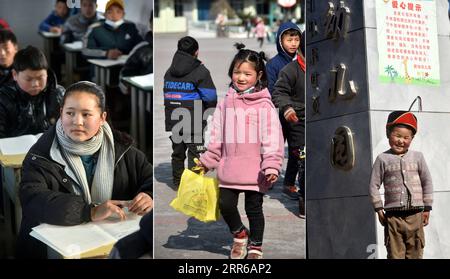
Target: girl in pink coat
260,31
246,147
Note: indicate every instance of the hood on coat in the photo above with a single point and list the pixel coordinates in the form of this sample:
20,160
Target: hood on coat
251,98
183,63
285,26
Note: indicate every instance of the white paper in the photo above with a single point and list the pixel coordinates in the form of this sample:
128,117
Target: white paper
143,81
50,34
109,62
18,145
119,229
78,45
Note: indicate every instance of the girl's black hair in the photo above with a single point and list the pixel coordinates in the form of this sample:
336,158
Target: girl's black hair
87,87
252,57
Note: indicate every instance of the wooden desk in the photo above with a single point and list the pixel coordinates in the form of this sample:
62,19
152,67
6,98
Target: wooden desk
103,69
141,100
50,40
72,51
11,171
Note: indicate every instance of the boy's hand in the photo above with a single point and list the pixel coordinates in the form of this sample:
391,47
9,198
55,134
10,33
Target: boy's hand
290,115
271,178
381,217
113,53
56,29
425,218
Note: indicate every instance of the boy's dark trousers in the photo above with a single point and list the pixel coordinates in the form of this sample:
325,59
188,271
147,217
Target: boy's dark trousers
301,175
403,234
179,156
294,133
253,208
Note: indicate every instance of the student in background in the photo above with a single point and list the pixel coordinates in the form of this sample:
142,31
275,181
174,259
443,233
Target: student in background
187,86
8,48
289,97
112,37
81,170
54,22
288,42
140,61
4,24
29,104
77,25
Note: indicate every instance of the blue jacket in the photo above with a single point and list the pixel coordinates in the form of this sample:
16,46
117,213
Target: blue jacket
280,60
51,21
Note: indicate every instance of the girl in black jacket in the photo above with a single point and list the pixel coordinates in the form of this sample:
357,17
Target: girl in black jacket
81,171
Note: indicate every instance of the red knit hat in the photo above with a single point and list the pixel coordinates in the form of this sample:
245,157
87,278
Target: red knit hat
402,117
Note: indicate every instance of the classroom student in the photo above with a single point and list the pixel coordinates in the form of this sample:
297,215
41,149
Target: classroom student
4,24
81,170
140,61
112,37
76,26
30,103
8,49
55,20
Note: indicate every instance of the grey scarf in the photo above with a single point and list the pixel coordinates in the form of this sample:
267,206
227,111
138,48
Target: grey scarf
102,183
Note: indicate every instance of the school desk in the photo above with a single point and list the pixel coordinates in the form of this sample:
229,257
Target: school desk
103,69
10,172
72,51
141,100
51,41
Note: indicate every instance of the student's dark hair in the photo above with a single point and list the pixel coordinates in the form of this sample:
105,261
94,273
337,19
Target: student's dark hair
255,58
188,45
62,1
87,87
7,35
291,32
30,58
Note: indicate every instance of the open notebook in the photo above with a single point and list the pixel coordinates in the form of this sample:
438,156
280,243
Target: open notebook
18,145
94,239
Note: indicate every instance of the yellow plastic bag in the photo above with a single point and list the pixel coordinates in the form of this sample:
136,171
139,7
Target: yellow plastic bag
198,196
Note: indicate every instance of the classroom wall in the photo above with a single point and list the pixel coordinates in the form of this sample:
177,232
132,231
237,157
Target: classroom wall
24,16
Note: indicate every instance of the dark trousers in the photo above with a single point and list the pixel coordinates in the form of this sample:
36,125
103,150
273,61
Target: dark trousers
261,41
301,177
253,208
294,133
179,156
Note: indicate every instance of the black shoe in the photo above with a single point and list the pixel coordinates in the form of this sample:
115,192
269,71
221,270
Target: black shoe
302,211
291,192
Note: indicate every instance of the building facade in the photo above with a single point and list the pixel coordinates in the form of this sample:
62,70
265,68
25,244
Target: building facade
177,15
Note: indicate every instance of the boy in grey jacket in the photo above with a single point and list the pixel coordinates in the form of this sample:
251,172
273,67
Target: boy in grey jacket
408,189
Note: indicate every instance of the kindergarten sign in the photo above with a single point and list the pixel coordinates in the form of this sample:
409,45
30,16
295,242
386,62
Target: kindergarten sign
407,42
